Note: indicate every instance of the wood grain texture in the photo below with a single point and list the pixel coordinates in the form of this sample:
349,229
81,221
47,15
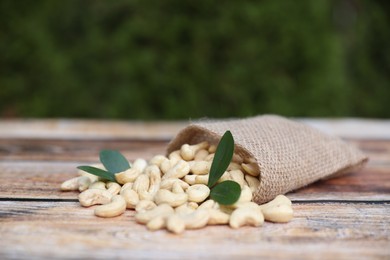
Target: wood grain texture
339,229
347,217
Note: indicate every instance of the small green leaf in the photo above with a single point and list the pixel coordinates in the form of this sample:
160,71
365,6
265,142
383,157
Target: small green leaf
114,161
226,192
223,156
98,172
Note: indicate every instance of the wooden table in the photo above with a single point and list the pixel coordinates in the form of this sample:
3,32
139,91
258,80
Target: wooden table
345,217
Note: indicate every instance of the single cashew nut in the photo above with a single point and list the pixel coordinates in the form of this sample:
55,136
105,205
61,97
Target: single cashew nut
253,182
98,185
167,183
237,158
94,197
131,198
154,174
190,179
175,224
201,155
157,160
184,209
218,217
181,169
156,223
174,157
202,179
83,183
126,186
197,219
116,207
176,188
234,166
145,205
238,176
208,204
130,175
278,210
246,216
170,198
251,169
71,184
140,164
188,151
162,210
198,192
141,185
212,148
200,167
113,187
245,196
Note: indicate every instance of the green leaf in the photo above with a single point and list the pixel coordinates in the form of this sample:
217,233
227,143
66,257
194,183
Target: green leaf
98,172
226,192
222,158
114,161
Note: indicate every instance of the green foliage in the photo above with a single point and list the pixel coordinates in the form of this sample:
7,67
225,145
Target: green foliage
188,59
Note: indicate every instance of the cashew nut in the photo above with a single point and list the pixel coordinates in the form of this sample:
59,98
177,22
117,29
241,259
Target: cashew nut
98,185
170,198
145,205
154,174
212,148
176,188
174,157
246,216
140,164
162,210
157,160
201,155
116,207
175,224
238,176
126,186
237,158
156,223
190,179
130,175
188,151
184,209
167,183
197,219
141,186
253,182
202,179
234,166
217,217
208,204
251,169
278,210
198,192
113,187
83,183
94,196
181,169
245,196
131,197
200,167
71,184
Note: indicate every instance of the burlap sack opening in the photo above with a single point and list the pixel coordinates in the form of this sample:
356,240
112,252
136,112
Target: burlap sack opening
290,155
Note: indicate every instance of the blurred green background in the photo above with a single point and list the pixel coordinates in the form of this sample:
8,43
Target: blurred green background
190,59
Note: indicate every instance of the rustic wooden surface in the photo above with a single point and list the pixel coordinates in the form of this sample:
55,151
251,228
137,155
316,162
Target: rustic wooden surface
347,217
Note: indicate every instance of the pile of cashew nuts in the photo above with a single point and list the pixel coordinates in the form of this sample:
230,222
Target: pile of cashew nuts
171,192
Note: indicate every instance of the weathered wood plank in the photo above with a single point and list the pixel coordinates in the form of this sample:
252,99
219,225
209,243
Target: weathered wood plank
66,230
37,179
76,150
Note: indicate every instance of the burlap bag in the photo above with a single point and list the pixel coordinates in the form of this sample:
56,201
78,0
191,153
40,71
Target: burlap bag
290,155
